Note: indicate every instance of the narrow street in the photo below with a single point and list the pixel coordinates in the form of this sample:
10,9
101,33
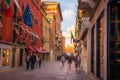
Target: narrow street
51,70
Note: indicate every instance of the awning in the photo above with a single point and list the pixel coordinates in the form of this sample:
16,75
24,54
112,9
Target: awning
30,49
39,50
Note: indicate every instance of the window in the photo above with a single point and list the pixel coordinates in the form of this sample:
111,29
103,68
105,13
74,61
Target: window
112,44
112,29
112,15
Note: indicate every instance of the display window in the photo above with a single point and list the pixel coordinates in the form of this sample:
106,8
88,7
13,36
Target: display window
6,57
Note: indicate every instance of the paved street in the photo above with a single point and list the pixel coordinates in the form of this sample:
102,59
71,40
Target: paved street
48,71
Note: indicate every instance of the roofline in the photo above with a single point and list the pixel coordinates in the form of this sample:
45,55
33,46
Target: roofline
55,2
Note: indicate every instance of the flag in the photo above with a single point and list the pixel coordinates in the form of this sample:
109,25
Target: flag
7,9
16,3
27,16
72,37
7,4
8,12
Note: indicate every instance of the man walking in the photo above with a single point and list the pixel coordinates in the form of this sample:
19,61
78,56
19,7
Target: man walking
33,60
27,61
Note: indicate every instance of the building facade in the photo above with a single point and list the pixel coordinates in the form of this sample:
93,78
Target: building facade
18,35
46,35
102,37
54,16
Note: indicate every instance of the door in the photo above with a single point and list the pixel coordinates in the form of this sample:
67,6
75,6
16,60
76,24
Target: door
114,40
21,57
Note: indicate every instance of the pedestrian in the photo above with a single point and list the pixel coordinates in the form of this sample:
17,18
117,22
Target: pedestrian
27,61
38,61
33,60
77,62
63,60
70,60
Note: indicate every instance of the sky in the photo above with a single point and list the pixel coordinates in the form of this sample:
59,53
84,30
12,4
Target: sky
69,13
69,9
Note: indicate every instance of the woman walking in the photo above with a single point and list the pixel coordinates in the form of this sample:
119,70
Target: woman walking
63,60
77,62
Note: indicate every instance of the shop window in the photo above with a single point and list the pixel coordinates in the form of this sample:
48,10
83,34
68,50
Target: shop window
112,15
114,41
5,57
112,29
112,44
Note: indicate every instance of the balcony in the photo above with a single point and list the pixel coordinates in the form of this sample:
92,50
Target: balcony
83,24
88,5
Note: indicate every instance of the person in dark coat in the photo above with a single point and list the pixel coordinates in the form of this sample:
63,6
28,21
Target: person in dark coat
27,62
77,61
70,60
33,60
39,61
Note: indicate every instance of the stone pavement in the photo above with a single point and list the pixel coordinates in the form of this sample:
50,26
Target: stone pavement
51,70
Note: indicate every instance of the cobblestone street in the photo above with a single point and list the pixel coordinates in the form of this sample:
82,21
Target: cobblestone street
52,70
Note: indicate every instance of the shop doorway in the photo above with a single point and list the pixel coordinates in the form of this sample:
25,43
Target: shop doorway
93,50
114,40
13,57
21,58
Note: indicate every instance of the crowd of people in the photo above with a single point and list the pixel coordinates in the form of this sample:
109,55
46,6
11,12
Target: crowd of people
32,60
70,59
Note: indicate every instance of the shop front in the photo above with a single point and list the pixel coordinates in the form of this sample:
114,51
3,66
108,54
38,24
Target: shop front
5,56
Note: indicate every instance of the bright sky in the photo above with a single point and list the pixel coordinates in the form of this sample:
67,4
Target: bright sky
69,13
69,9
